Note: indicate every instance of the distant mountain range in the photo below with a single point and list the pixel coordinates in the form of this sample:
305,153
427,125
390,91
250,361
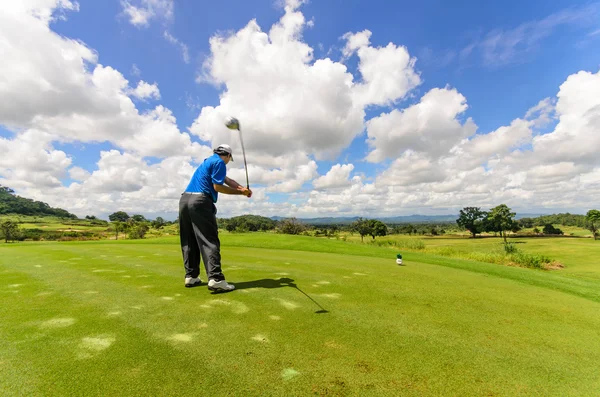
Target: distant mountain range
389,220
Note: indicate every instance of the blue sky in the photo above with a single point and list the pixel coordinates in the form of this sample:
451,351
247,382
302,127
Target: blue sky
503,58
430,30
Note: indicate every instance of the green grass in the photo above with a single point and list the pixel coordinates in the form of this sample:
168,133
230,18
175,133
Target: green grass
112,318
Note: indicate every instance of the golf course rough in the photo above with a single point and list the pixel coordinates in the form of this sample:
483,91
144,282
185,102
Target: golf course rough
320,317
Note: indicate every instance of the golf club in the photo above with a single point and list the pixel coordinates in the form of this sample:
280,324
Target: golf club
293,285
234,124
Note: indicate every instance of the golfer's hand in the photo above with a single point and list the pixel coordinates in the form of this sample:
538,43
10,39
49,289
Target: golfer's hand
245,191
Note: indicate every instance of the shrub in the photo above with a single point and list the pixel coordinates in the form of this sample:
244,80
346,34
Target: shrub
510,248
139,231
530,261
549,229
291,226
408,243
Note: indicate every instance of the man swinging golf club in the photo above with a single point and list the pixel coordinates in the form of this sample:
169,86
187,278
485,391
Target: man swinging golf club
198,229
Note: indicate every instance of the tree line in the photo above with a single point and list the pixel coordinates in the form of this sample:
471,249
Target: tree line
502,220
136,226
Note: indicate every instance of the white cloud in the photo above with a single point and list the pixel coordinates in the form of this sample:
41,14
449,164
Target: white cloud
543,113
44,10
354,41
78,174
338,176
286,100
295,110
301,175
575,137
29,160
388,75
61,90
135,71
185,52
430,126
480,149
145,90
117,172
141,12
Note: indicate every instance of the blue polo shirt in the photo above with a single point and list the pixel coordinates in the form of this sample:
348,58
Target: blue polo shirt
212,170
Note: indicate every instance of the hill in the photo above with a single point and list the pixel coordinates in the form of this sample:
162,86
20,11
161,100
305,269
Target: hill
10,203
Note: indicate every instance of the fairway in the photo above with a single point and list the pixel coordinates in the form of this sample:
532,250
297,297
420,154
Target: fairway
112,318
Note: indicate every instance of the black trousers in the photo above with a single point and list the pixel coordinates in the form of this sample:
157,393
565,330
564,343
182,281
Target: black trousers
199,235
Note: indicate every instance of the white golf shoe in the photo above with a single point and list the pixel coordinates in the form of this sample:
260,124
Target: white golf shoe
192,282
220,286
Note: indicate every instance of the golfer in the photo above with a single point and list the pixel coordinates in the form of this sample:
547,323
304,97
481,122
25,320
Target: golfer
198,230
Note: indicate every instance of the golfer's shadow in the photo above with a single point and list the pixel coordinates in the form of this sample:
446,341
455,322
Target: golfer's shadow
279,283
266,283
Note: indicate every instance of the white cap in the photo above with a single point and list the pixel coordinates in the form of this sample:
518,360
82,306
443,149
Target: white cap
224,148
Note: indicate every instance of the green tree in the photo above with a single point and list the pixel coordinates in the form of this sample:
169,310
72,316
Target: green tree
377,228
158,223
139,218
471,218
10,230
526,222
291,226
593,222
138,230
550,229
362,227
120,216
119,227
409,229
500,219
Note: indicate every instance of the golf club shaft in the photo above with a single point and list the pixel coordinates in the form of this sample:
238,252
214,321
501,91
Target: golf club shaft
305,294
244,153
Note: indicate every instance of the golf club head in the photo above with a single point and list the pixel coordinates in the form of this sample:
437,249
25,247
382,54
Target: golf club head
232,123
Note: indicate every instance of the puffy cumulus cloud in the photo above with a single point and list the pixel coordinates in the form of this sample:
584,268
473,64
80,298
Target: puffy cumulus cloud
145,90
411,168
140,12
388,72
294,180
354,41
47,81
431,126
45,10
29,160
543,113
479,149
122,181
575,137
286,100
337,177
78,174
514,164
61,90
117,172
